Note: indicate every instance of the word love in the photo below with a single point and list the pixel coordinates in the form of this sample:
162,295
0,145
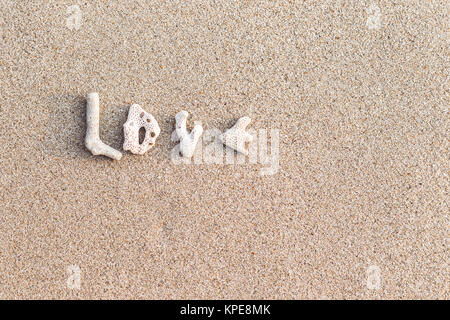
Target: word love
235,138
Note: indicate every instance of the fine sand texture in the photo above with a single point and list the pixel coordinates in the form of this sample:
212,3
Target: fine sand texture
358,208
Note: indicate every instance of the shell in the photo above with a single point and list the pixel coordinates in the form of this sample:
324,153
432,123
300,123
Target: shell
138,118
188,141
236,136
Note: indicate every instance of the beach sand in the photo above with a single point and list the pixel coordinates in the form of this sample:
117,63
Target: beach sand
357,210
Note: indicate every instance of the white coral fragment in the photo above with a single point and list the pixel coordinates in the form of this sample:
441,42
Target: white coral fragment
92,140
188,141
236,137
137,119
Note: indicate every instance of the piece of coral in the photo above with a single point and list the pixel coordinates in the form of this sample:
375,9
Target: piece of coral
92,139
236,137
188,141
137,119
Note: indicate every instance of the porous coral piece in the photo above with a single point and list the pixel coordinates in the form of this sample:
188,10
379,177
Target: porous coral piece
137,119
92,139
188,141
236,136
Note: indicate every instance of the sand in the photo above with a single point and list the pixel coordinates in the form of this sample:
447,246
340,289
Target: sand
357,210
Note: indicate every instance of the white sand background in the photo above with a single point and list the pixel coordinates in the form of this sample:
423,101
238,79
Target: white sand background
358,208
